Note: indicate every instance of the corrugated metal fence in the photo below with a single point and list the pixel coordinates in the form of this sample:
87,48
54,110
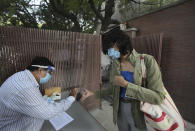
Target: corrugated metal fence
76,56
149,44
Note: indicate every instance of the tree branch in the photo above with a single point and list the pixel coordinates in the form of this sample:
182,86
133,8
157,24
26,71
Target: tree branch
108,14
31,18
34,5
97,13
71,16
109,8
145,3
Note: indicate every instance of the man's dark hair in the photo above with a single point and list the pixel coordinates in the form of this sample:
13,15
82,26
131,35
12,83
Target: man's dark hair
118,37
38,60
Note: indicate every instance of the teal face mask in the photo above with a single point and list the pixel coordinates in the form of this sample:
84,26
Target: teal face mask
48,75
45,79
113,54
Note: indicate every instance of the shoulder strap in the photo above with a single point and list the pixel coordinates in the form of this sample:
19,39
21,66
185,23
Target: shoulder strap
143,66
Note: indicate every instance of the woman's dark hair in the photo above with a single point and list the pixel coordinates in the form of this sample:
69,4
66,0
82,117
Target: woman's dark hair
43,61
118,37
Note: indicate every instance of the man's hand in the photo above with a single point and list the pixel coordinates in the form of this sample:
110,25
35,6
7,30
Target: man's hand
74,92
120,81
85,94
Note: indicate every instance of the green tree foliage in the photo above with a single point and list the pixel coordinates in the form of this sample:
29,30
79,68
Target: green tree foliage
88,12
17,13
71,15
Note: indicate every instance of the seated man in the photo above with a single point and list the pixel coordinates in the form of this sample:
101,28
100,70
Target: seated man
22,106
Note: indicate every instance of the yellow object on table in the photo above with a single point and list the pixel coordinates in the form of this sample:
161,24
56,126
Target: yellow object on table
50,91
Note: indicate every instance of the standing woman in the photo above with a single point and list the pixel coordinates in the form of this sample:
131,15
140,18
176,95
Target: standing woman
126,81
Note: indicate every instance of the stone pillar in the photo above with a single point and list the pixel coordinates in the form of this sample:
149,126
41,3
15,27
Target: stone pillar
132,31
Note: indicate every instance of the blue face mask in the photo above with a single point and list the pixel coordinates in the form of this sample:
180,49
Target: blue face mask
45,79
113,54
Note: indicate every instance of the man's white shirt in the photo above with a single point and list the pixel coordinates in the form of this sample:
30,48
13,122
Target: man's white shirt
22,106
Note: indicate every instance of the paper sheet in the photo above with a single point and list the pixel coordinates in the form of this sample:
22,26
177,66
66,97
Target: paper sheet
61,120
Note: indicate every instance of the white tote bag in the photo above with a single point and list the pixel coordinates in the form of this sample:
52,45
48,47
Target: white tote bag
163,117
